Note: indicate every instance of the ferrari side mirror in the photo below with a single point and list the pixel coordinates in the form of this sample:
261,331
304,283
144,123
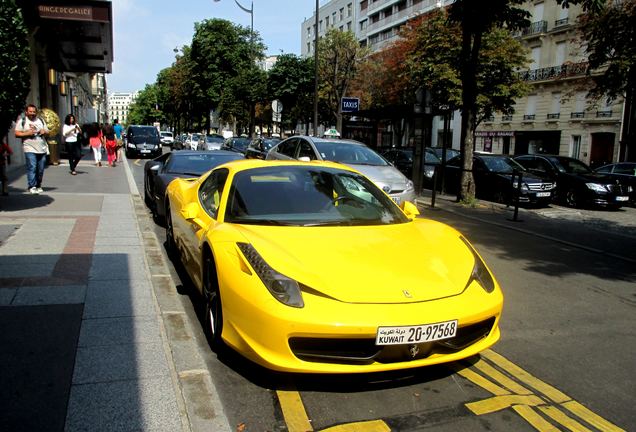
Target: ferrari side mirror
410,210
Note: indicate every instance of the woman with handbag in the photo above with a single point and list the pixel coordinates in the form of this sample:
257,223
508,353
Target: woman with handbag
71,131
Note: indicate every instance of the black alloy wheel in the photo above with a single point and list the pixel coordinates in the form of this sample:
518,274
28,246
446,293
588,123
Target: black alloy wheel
572,198
171,247
213,305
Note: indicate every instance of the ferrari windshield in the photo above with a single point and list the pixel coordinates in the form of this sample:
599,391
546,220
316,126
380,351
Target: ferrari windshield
308,196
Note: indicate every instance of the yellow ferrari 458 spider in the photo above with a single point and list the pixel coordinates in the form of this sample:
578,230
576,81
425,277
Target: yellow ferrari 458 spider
309,267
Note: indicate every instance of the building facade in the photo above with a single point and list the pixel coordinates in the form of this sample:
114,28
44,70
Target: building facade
556,117
338,14
119,106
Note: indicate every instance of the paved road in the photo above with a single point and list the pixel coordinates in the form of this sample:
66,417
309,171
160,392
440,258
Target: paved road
564,361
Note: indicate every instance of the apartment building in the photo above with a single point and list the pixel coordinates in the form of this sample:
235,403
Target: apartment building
338,14
119,105
556,117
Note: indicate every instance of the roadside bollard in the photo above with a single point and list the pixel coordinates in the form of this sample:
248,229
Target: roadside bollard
517,194
434,188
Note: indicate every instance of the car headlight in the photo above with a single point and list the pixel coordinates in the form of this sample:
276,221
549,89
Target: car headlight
596,187
480,273
284,289
409,185
524,186
131,145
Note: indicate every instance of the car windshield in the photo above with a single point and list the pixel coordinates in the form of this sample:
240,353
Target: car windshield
214,139
450,153
501,164
197,164
348,153
268,143
238,143
308,196
144,133
166,134
570,166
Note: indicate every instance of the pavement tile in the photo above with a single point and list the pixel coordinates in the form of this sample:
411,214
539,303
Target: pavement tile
120,362
40,269
119,331
118,303
7,295
48,295
122,406
19,260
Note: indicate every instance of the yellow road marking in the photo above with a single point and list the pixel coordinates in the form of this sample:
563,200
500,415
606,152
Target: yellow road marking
539,423
367,426
592,418
524,376
482,382
497,403
504,380
294,412
560,417
137,162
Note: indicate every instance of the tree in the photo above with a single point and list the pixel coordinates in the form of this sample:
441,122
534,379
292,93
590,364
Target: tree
144,109
14,63
291,80
609,34
339,56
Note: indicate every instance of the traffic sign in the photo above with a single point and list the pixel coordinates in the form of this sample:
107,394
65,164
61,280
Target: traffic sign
277,106
349,105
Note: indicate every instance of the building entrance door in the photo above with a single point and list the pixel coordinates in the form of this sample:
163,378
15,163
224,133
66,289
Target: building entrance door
602,150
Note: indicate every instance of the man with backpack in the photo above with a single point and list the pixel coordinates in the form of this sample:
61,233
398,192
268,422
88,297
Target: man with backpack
32,130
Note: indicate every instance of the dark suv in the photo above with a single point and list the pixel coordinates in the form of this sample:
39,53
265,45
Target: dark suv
577,184
143,141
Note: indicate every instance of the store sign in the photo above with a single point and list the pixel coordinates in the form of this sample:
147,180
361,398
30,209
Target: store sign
74,13
494,133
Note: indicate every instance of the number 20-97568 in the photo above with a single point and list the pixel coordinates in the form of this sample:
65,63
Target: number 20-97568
416,334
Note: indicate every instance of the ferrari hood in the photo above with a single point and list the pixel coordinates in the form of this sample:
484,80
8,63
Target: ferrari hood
411,262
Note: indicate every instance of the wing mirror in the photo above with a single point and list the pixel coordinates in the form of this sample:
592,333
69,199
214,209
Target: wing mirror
410,210
190,212
155,168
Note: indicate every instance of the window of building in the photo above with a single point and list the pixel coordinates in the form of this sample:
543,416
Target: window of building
349,9
563,13
537,14
401,5
363,5
341,28
580,102
341,14
375,18
326,22
308,31
575,146
349,26
320,25
535,55
333,18
531,105
388,11
559,53
308,47
556,103
363,25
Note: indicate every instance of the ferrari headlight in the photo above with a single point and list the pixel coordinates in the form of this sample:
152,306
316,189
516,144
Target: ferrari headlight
284,289
480,273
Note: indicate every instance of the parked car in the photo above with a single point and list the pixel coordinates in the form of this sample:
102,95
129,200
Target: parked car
259,147
402,159
212,142
142,141
625,172
167,139
179,142
159,172
577,184
311,268
192,141
236,144
352,153
493,175
450,153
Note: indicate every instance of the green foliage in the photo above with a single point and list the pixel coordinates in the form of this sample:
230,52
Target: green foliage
14,63
291,80
143,110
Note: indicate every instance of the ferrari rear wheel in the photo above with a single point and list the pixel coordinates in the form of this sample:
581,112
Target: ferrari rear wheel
213,306
171,247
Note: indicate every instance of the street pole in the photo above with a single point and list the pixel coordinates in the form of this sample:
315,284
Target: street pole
316,72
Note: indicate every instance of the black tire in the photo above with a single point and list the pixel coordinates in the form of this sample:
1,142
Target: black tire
147,198
213,305
572,198
171,247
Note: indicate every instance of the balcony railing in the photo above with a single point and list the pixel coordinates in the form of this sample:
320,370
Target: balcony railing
607,113
555,72
554,116
528,117
535,28
489,119
577,115
561,22
506,118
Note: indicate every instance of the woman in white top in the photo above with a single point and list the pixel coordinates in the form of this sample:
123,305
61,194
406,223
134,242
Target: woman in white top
70,131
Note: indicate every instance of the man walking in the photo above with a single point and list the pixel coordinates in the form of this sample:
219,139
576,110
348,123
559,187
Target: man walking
32,130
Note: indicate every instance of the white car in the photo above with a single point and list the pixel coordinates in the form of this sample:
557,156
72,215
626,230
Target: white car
167,138
192,141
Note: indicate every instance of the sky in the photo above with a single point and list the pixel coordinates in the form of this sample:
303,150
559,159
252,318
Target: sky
146,32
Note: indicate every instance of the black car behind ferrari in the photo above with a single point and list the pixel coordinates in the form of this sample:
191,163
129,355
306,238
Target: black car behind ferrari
577,184
159,172
493,174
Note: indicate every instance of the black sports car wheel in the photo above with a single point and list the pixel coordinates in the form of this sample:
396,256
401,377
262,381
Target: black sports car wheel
171,247
213,306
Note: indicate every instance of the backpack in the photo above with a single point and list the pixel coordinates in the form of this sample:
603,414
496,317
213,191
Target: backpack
23,118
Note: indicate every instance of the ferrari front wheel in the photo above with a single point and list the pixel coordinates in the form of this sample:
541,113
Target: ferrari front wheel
213,305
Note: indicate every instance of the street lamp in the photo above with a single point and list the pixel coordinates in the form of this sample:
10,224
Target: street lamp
249,11
315,72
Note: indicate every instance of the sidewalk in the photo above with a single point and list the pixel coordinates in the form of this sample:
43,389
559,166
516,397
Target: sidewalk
93,329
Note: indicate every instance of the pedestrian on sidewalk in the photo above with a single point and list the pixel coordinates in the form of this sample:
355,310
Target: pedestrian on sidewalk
96,141
70,132
119,129
5,159
32,129
111,144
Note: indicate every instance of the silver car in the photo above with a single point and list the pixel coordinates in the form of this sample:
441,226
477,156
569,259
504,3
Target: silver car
352,153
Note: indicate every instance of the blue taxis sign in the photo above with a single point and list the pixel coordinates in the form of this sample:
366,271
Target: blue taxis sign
349,105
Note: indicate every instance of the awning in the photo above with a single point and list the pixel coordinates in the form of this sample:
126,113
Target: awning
77,35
